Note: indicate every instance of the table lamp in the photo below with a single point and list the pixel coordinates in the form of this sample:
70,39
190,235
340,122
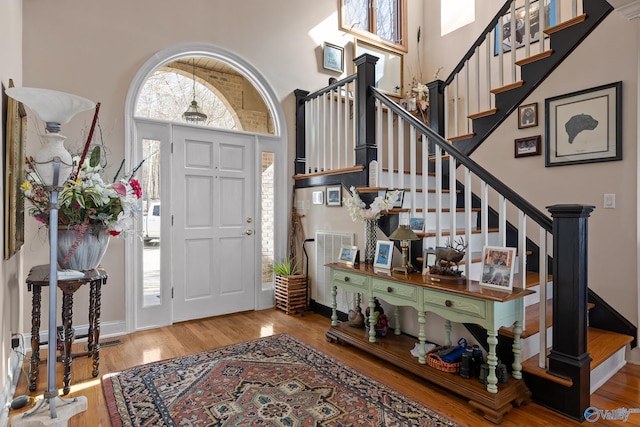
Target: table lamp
405,235
53,164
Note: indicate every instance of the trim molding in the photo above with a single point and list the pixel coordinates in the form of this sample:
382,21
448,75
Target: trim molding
630,9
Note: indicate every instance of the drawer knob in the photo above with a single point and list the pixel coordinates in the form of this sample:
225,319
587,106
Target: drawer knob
346,278
448,303
389,289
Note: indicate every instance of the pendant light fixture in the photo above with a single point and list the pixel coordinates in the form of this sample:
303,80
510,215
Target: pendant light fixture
193,114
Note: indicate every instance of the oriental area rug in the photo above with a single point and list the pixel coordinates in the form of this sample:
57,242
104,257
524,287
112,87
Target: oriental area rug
271,381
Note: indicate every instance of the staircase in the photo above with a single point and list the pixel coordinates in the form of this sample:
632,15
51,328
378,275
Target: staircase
351,123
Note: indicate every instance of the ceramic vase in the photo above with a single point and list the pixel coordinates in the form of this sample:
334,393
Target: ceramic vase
86,251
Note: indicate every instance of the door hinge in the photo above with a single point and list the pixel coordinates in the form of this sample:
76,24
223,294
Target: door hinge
172,220
172,147
171,293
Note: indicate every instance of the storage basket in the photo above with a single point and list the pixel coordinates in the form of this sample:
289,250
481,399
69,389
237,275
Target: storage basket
436,362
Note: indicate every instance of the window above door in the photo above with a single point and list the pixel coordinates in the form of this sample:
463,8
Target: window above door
379,21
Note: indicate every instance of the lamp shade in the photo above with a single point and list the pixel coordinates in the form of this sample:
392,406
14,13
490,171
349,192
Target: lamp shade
51,106
403,232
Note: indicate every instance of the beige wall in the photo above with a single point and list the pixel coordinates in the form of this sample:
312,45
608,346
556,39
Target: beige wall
11,288
612,232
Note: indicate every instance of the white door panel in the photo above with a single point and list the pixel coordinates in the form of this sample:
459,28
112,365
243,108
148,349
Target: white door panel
213,188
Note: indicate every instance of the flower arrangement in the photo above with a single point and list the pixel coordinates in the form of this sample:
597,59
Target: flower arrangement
86,201
357,208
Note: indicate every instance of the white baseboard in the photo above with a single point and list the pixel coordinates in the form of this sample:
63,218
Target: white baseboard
9,389
107,330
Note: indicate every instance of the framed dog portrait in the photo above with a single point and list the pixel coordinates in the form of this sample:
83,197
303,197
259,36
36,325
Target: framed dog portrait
529,146
528,116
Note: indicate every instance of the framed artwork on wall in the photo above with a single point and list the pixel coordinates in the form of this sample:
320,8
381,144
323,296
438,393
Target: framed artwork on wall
334,195
528,115
333,57
584,126
529,146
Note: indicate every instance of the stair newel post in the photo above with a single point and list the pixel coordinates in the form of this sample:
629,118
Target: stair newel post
300,162
436,106
365,111
569,357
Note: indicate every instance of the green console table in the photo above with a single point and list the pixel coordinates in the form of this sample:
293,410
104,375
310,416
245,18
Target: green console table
464,303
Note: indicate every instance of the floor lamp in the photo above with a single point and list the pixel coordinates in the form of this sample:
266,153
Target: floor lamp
53,164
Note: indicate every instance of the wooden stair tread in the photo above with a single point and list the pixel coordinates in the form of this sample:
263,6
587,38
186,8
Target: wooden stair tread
459,232
482,114
462,137
406,190
447,210
566,24
601,345
329,172
408,172
507,87
534,58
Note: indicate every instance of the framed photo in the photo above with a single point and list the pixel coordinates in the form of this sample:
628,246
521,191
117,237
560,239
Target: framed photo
497,267
348,255
584,126
398,202
528,116
416,224
333,57
384,253
318,197
334,195
428,260
15,142
529,146
389,68
520,19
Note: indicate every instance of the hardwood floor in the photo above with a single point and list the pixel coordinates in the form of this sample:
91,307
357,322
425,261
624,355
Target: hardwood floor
622,391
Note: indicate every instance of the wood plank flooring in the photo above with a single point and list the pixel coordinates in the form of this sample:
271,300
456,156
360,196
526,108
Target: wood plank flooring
623,390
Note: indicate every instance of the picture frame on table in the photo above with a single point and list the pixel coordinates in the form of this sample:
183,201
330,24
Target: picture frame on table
504,35
383,255
428,260
497,267
333,57
348,255
15,143
528,115
334,195
529,146
584,126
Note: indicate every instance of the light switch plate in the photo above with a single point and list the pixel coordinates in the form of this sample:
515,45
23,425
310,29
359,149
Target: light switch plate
609,201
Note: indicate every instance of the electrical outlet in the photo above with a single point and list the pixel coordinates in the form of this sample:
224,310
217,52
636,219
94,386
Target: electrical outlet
15,342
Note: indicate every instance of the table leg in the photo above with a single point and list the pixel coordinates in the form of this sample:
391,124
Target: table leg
422,337
334,306
396,313
517,367
96,330
370,319
35,337
492,361
92,317
67,316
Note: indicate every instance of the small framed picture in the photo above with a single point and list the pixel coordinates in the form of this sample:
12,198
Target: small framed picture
497,267
528,116
416,224
428,260
384,253
348,255
398,202
333,57
529,146
318,197
334,195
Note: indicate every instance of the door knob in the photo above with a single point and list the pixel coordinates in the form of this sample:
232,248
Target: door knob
248,232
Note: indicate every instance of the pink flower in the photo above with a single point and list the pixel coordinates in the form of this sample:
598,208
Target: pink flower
119,188
136,187
114,232
40,219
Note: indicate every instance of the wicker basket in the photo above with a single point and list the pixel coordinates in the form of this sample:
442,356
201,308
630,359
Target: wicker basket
436,362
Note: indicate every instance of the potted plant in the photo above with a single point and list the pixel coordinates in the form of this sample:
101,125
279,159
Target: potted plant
290,286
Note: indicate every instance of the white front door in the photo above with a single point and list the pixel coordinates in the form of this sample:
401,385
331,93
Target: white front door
213,211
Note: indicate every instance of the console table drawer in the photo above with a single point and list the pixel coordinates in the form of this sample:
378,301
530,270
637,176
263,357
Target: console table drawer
455,303
349,280
398,290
